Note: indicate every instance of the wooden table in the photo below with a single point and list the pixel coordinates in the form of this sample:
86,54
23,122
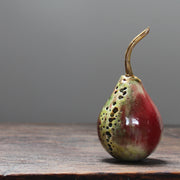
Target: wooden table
73,151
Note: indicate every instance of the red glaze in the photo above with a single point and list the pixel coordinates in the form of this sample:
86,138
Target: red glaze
144,124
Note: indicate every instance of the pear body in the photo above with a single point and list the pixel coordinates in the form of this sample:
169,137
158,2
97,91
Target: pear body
129,125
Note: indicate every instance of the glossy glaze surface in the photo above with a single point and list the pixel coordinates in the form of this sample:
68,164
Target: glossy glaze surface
129,125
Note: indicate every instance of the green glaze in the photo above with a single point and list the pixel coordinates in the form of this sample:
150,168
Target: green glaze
112,116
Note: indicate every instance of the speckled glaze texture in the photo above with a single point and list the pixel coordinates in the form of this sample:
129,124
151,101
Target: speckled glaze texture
129,125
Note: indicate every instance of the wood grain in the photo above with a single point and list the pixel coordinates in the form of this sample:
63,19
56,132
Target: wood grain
73,151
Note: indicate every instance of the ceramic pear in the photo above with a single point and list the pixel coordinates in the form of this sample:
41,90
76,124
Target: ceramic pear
129,125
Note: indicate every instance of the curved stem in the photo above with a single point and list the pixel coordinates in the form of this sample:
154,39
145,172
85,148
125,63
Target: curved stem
129,51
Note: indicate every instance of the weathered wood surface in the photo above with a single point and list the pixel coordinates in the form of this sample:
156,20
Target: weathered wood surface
72,151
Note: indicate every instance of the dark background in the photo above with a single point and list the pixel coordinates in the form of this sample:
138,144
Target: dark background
60,60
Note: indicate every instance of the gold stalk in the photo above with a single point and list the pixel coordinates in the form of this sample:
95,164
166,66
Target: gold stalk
132,44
